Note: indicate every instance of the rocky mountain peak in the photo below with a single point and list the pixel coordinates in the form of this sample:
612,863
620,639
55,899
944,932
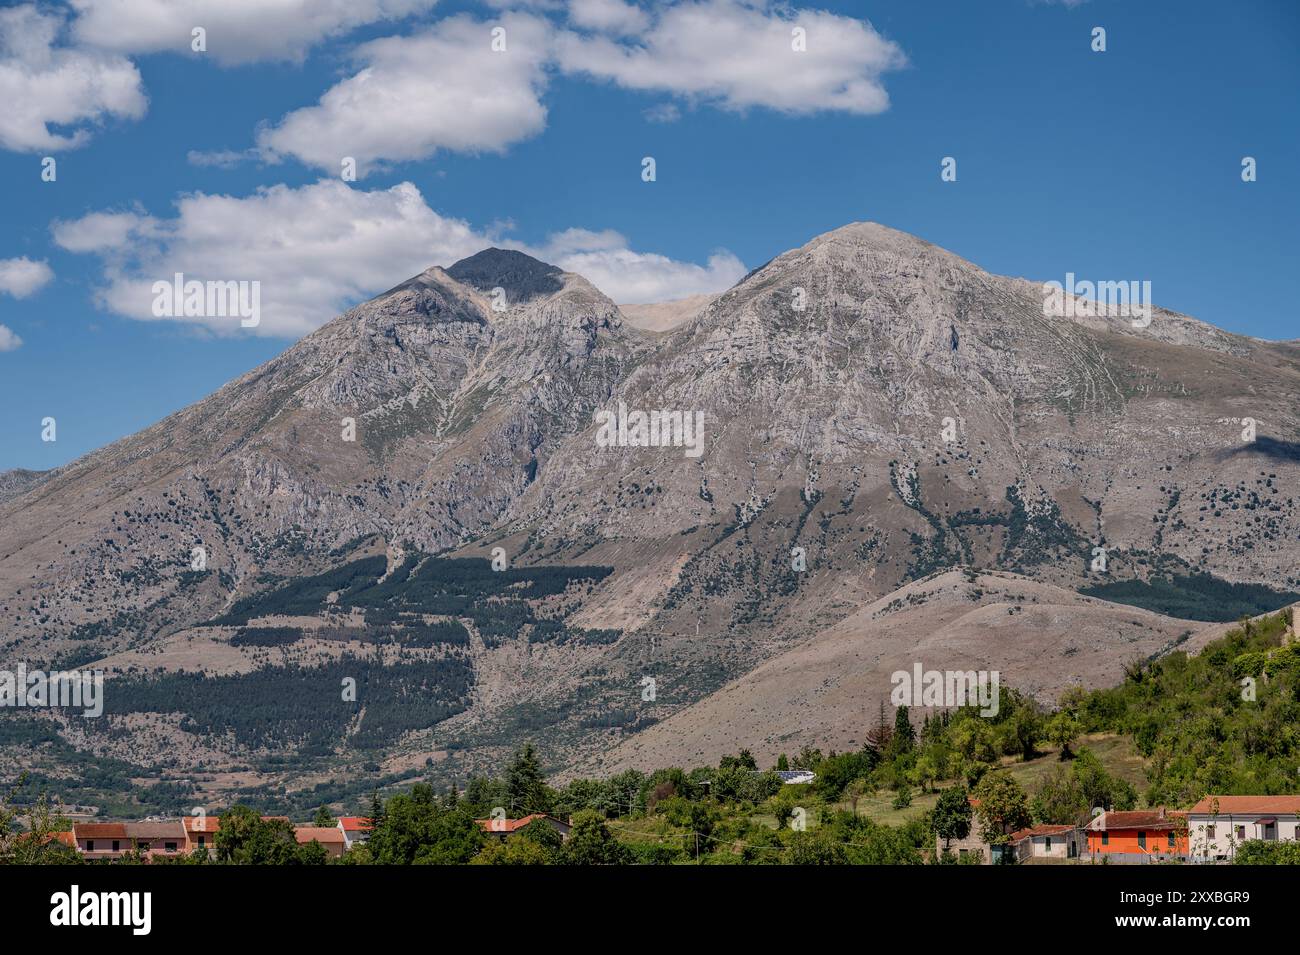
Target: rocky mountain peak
522,276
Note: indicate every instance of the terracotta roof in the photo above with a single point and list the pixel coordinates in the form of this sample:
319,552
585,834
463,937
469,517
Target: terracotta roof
1039,831
1143,819
67,838
1249,804
514,825
173,829
355,823
213,823
99,830
321,834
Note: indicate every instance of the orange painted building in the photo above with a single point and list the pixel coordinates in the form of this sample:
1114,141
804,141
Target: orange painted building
1148,835
201,833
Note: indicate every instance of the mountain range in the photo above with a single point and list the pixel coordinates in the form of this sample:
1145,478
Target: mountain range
903,459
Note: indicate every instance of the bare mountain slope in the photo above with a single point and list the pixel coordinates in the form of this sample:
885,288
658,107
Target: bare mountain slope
825,692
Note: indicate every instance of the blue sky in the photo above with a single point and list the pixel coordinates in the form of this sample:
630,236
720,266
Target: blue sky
1122,164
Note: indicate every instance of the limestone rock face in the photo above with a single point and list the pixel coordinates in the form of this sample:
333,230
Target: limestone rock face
883,405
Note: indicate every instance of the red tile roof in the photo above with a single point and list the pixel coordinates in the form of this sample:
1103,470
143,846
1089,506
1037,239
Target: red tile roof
1249,804
213,823
1143,819
355,823
1038,831
150,831
99,830
514,825
321,834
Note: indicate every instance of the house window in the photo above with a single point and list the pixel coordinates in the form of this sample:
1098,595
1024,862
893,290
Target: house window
1142,840
200,842
1049,844
1105,838
116,846
1209,832
1171,841
1241,832
90,845
169,846
143,846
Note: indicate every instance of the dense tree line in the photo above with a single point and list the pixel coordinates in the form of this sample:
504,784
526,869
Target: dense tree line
1194,596
306,708
499,602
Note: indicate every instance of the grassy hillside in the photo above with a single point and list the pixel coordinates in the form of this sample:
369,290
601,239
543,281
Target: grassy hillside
1117,754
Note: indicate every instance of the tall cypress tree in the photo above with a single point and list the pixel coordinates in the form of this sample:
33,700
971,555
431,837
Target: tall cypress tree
904,736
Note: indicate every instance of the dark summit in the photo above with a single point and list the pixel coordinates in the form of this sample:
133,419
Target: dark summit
522,276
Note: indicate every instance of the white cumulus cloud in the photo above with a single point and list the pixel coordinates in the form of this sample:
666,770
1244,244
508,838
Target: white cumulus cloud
318,249
238,31
631,277
445,88
44,83
608,16
23,277
8,340
738,55
315,250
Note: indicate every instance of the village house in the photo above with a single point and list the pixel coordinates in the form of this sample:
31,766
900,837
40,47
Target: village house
1046,842
330,838
976,843
101,840
1150,835
355,829
113,840
200,831
1217,825
505,827
160,839
153,839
